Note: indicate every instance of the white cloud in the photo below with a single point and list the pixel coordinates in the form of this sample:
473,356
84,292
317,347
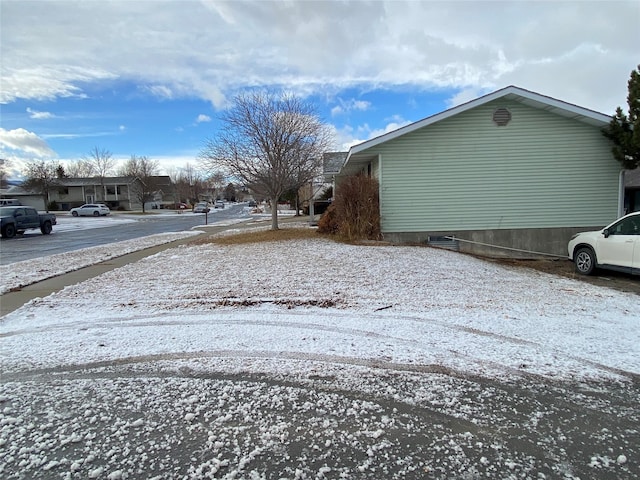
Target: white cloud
347,137
346,106
337,110
578,51
203,118
43,83
171,164
24,141
83,135
161,91
464,96
39,115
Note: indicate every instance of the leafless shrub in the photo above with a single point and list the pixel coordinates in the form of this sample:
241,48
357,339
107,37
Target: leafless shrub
355,213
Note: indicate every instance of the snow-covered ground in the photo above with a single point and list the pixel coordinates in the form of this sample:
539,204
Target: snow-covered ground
27,272
183,341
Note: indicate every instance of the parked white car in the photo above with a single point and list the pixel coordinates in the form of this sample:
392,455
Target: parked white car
90,210
615,247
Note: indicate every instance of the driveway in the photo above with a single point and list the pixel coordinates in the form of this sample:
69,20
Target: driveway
200,416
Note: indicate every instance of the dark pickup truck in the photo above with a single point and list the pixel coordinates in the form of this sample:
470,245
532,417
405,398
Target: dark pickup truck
19,218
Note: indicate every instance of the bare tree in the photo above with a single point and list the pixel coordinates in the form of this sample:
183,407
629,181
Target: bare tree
145,171
216,181
192,178
102,163
269,143
182,189
80,169
41,176
4,164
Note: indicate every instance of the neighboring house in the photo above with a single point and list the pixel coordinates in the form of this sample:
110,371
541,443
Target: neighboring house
25,197
115,192
513,169
160,192
118,193
332,163
632,190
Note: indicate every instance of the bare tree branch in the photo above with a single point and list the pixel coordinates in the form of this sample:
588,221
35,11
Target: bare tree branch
80,169
145,170
269,143
102,163
41,176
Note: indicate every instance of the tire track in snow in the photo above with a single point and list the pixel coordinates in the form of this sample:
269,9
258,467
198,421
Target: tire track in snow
148,321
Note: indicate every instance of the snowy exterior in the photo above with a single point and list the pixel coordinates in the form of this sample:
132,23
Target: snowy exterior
512,168
309,359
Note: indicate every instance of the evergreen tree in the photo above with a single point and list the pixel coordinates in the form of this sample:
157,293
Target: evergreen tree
624,130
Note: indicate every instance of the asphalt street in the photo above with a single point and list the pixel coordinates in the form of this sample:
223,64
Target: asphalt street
13,300
34,245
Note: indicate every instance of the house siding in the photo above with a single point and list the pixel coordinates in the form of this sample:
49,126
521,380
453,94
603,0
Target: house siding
542,170
78,195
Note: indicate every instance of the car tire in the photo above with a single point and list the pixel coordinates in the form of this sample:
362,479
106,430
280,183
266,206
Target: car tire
585,261
9,231
75,214
46,228
96,213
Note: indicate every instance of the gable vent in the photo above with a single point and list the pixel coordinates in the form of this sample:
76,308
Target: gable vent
501,117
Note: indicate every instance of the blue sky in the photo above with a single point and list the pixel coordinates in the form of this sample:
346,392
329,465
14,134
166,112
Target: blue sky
150,77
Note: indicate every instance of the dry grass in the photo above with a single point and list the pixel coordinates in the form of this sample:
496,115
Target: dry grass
256,236
564,268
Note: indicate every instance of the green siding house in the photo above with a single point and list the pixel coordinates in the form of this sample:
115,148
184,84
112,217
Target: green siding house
509,173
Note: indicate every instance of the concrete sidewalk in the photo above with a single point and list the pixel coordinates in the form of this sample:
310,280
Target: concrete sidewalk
13,300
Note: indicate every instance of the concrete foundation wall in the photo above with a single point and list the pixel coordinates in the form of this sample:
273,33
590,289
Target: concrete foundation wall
517,243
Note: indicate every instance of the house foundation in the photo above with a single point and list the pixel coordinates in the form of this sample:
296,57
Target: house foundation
526,243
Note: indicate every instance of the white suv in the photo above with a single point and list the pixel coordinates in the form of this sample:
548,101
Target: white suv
91,210
615,247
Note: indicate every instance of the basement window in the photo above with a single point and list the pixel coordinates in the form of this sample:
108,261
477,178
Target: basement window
501,117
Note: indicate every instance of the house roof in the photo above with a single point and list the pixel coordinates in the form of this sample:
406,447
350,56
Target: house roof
92,181
332,163
632,178
15,191
521,95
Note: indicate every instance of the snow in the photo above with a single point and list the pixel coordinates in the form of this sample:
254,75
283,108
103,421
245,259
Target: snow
27,272
405,305
314,310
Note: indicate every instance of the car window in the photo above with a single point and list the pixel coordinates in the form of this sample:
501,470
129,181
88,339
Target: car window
627,226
